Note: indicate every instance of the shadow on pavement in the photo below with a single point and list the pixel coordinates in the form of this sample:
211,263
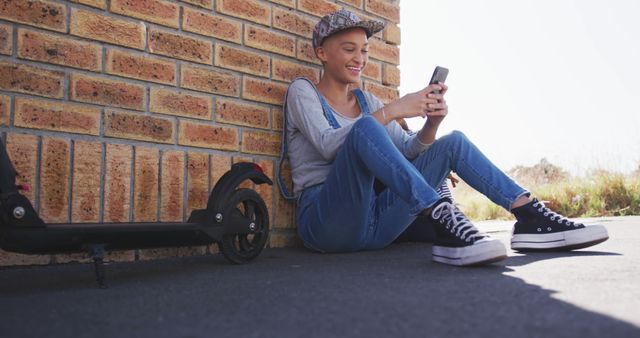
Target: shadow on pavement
531,257
396,292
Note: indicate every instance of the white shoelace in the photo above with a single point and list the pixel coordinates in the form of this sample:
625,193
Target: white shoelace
455,221
553,216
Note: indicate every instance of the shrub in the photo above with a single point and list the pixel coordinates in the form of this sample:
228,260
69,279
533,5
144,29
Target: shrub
600,193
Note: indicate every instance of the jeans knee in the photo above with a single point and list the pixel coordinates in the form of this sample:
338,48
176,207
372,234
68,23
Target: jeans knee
367,122
456,137
368,125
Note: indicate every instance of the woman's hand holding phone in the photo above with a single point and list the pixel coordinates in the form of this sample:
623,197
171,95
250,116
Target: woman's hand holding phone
423,103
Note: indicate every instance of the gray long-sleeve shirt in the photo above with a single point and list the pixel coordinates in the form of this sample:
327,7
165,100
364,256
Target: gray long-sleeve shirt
313,143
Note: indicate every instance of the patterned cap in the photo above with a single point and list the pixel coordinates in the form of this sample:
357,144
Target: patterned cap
340,20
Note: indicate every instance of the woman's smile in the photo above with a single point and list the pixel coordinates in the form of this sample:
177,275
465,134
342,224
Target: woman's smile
354,70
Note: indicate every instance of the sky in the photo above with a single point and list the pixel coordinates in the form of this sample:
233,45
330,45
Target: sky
532,79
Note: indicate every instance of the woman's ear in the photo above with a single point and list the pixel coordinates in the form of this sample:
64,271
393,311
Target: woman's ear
320,53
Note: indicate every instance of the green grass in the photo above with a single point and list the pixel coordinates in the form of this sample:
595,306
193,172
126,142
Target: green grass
599,194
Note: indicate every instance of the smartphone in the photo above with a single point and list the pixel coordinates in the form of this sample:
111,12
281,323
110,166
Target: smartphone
439,75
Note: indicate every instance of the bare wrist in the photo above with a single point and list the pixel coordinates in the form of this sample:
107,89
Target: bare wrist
390,112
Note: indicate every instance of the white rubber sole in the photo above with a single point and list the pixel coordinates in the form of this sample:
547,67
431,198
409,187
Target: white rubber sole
483,252
565,240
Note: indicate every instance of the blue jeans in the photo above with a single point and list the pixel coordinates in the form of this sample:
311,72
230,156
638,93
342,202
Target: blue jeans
344,213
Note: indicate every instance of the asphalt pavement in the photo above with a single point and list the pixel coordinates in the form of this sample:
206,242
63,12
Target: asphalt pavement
395,292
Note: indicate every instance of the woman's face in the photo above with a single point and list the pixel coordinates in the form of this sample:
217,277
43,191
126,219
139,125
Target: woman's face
344,55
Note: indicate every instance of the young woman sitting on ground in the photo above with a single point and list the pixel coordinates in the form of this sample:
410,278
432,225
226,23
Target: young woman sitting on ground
340,140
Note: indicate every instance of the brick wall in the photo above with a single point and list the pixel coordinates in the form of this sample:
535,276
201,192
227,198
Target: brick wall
131,110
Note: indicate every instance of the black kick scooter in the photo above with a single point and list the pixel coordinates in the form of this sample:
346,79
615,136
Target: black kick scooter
235,218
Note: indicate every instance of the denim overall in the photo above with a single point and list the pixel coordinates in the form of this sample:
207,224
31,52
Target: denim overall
345,214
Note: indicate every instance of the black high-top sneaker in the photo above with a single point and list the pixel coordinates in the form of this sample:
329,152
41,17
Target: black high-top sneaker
538,228
460,243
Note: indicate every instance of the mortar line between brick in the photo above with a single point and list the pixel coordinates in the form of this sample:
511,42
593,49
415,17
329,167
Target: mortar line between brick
67,19
14,43
209,177
72,146
103,52
132,184
185,188
12,107
160,171
103,170
37,173
180,18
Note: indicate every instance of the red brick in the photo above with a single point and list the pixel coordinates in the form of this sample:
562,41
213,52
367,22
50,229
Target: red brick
292,22
59,50
209,80
251,10
14,259
220,164
157,11
373,70
392,34
87,158
234,112
211,25
385,94
380,50
172,186
31,80
23,151
354,3
207,136
277,118
162,253
260,142
180,46
284,213
57,116
83,258
383,8
54,180
145,191
187,251
107,29
140,66
197,181
391,75
5,110
99,90
284,239
287,71
305,52
266,190
202,3
263,90
269,40
43,14
317,7
117,183
171,102
288,3
138,127
159,253
6,39
242,60
102,4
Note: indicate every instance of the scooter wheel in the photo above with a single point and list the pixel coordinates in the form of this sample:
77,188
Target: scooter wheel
241,248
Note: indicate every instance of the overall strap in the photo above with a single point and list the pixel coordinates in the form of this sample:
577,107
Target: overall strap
328,114
285,146
362,101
